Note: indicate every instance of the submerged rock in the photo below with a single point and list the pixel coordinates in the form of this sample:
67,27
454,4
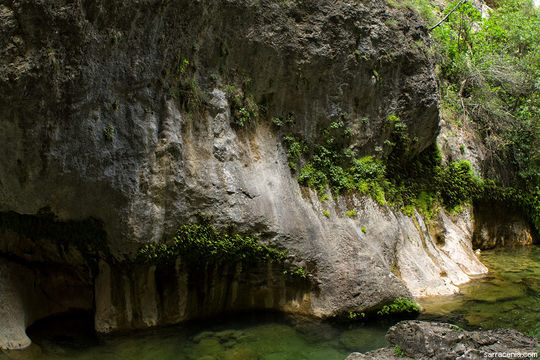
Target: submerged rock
358,338
207,347
440,341
239,353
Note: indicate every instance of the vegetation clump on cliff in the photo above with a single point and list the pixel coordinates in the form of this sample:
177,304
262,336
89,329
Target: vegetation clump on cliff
399,305
86,235
420,182
200,244
489,74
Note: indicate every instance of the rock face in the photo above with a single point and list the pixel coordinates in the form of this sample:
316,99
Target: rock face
496,226
37,279
26,293
92,124
117,111
147,296
425,340
433,259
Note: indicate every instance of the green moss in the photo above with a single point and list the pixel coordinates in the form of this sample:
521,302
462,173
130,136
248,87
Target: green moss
277,121
408,210
351,213
413,181
312,177
457,183
341,172
398,351
299,273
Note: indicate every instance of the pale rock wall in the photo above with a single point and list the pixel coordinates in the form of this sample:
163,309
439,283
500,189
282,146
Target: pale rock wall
14,315
436,262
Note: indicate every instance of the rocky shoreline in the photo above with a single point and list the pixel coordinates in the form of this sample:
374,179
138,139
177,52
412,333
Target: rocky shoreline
424,340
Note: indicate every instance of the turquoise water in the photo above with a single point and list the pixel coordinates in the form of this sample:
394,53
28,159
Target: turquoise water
509,296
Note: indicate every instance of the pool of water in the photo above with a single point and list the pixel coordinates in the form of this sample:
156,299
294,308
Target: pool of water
509,296
257,336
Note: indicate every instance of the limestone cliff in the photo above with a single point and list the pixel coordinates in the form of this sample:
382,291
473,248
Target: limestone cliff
114,119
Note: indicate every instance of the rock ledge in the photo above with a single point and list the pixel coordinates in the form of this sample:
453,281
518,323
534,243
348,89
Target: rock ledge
440,341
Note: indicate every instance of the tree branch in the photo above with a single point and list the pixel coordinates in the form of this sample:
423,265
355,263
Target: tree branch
447,15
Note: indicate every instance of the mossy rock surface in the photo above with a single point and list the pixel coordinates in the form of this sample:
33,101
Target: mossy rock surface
207,347
240,353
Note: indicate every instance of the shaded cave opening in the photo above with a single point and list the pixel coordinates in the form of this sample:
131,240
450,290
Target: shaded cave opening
73,329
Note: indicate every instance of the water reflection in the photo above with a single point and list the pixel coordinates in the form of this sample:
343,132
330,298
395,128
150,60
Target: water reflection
508,297
261,336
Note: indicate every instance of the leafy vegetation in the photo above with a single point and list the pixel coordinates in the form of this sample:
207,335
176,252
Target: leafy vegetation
351,213
200,244
300,273
493,72
281,121
87,235
399,305
356,315
514,197
421,182
296,148
398,351
457,183
333,167
108,131
489,72
243,106
536,332
181,80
